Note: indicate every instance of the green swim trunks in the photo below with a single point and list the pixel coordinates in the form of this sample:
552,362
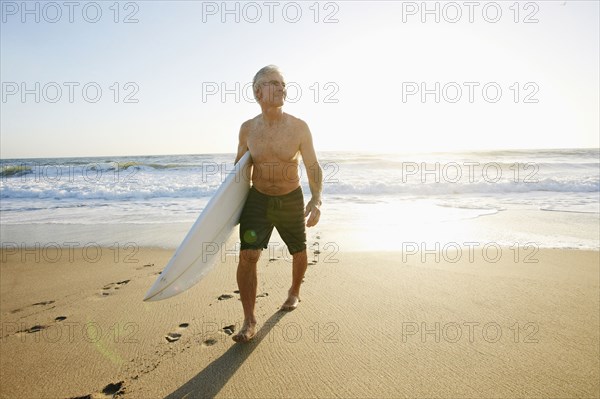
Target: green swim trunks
263,212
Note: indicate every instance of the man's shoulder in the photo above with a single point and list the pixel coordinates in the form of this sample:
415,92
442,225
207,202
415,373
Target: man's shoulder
296,122
250,123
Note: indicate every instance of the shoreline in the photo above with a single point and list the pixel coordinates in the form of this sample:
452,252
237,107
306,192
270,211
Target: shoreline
480,328
353,228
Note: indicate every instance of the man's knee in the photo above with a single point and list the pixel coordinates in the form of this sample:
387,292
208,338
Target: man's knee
249,256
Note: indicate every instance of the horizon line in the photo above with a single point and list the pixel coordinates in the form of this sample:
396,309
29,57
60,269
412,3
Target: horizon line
323,151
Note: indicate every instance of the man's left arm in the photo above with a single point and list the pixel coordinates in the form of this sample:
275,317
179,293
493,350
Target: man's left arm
315,177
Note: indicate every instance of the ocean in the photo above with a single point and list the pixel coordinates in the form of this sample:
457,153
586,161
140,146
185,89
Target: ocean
547,198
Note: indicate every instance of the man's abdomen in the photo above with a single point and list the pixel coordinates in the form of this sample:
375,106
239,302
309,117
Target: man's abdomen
275,178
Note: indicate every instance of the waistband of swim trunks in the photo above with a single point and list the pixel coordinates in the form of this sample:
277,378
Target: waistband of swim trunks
290,194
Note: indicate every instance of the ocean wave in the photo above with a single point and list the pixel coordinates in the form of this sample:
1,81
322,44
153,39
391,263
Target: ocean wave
346,175
15,170
105,193
194,189
142,166
590,208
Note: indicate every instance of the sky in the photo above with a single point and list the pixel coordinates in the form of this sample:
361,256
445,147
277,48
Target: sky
155,77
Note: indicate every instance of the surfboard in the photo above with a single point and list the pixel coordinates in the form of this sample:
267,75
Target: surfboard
202,246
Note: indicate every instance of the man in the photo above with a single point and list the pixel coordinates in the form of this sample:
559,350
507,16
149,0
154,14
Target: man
276,142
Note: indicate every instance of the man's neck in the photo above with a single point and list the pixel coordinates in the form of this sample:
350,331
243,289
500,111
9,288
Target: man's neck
272,115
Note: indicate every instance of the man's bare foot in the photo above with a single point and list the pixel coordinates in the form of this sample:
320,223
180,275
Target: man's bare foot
246,333
291,303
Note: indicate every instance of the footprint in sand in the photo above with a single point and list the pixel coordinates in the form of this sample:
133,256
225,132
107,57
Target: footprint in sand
29,330
145,266
116,285
44,303
174,336
112,287
39,327
113,389
109,391
209,342
229,329
33,329
224,296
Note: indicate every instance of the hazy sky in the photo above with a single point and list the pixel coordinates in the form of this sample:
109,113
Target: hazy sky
172,79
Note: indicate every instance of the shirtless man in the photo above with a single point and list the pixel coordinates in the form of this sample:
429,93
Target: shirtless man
276,142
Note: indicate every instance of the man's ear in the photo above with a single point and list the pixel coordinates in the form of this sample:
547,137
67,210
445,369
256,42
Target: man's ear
258,93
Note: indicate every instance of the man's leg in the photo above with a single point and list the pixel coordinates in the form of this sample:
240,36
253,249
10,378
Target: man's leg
247,281
300,263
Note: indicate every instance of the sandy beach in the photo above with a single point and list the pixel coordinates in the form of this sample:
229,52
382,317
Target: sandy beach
370,324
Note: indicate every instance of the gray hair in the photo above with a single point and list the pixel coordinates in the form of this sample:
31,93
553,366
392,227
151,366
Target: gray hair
260,73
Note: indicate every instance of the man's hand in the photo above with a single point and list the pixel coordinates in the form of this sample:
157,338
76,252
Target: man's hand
313,212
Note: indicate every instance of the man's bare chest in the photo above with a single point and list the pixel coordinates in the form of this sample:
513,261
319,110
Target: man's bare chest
270,144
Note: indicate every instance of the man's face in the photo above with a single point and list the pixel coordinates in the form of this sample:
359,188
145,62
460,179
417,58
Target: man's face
271,89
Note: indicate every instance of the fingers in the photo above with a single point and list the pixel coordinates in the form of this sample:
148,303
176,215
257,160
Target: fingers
309,209
314,215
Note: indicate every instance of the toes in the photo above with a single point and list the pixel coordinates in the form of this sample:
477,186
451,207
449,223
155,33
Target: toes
238,337
290,304
244,335
241,337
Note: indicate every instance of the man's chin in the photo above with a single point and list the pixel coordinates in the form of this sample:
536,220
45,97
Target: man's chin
274,102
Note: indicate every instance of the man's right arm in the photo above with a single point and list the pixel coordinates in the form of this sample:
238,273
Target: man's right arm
243,142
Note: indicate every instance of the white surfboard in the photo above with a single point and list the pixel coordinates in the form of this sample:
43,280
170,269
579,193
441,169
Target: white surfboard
202,245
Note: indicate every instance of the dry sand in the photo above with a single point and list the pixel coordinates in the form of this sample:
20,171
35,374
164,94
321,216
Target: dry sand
369,325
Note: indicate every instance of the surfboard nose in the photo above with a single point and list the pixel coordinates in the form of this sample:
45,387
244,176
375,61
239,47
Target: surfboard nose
148,298
155,291
150,295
